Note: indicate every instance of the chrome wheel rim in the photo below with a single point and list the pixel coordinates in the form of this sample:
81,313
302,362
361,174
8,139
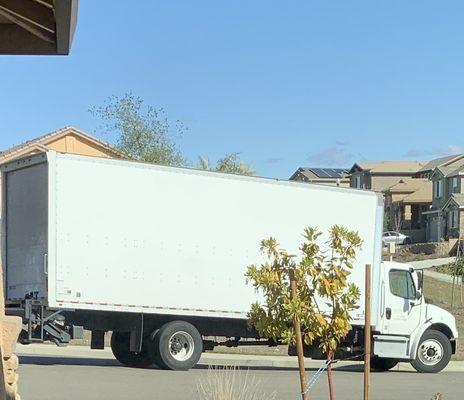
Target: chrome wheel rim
430,352
181,346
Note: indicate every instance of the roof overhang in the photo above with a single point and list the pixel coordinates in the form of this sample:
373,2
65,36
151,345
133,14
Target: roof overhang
37,27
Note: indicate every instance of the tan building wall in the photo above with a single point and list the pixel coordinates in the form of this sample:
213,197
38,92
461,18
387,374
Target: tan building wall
77,145
66,140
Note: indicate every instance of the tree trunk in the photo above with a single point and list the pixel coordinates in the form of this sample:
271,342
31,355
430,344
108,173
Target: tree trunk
329,377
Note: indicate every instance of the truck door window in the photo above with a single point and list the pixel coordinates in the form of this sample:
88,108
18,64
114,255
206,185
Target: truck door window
402,284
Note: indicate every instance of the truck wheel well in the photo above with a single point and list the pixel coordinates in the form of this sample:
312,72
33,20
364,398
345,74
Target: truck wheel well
443,329
447,332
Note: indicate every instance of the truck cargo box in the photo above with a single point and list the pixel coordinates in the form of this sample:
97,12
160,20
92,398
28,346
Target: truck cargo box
102,234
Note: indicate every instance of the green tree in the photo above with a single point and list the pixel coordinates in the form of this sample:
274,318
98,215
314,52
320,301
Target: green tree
142,132
324,296
230,163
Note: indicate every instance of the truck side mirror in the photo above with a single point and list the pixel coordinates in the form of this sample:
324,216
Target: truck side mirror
420,280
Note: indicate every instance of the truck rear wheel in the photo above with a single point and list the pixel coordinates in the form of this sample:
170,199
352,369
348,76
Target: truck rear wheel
433,353
120,345
177,346
382,364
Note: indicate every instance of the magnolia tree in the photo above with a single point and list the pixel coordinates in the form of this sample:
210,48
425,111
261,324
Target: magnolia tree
324,296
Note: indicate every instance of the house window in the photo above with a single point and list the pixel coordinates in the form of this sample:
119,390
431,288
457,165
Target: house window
357,181
455,184
453,219
438,188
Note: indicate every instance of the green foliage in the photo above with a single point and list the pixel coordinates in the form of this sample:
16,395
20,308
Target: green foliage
455,268
142,132
320,278
230,164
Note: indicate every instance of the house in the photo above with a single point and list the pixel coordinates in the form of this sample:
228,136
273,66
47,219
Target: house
405,204
406,197
65,140
445,218
379,176
324,176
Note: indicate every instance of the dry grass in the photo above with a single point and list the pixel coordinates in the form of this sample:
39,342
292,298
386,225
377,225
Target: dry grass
439,293
229,383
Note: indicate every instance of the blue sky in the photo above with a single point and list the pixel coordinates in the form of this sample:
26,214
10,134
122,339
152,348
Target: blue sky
286,84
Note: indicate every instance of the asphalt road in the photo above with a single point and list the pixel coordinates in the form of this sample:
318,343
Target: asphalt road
72,378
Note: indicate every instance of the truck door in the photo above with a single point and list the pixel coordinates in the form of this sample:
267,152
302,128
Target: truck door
402,311
26,231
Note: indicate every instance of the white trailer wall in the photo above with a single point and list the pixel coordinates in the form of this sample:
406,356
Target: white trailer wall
128,236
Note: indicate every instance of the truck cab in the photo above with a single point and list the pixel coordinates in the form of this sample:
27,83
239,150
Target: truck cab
409,329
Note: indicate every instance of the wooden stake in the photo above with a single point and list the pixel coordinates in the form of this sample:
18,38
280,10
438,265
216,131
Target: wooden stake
367,331
329,378
299,341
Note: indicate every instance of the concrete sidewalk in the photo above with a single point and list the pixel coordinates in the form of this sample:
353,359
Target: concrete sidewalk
239,360
425,264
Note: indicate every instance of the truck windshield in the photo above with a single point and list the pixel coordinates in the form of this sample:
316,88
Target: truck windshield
402,284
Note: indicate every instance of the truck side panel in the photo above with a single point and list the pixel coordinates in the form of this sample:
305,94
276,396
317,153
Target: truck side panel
151,239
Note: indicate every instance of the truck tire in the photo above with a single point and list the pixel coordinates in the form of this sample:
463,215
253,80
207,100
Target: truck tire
433,353
382,364
120,342
177,346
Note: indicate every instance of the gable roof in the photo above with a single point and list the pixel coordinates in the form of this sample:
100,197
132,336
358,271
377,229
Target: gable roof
385,167
439,162
41,142
457,198
321,173
412,190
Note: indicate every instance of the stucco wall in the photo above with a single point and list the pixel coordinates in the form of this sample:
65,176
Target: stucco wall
77,145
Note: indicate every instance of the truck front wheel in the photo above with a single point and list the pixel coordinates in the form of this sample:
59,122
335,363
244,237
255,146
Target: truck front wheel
433,353
177,346
120,344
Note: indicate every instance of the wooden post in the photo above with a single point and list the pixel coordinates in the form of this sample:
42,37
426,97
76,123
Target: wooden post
367,331
299,341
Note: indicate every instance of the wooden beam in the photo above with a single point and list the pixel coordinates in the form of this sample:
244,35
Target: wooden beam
32,12
17,41
66,20
40,33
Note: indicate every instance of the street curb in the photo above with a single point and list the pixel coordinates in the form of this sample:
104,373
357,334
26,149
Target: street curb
214,359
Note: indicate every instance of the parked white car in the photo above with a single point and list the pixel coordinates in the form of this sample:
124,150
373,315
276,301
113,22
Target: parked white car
395,237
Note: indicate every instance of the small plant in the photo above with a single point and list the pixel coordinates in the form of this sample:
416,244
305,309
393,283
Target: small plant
324,296
229,383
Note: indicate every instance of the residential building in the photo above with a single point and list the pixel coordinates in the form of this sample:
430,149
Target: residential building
405,205
406,198
445,218
324,176
379,176
66,140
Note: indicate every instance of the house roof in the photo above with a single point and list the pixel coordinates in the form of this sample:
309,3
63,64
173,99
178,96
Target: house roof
321,173
385,167
33,27
457,198
407,185
41,142
439,162
421,195
413,190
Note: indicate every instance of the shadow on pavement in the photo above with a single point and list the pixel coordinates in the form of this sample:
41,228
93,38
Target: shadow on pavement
51,360
104,362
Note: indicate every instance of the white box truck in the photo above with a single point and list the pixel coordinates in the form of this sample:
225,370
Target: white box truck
157,255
